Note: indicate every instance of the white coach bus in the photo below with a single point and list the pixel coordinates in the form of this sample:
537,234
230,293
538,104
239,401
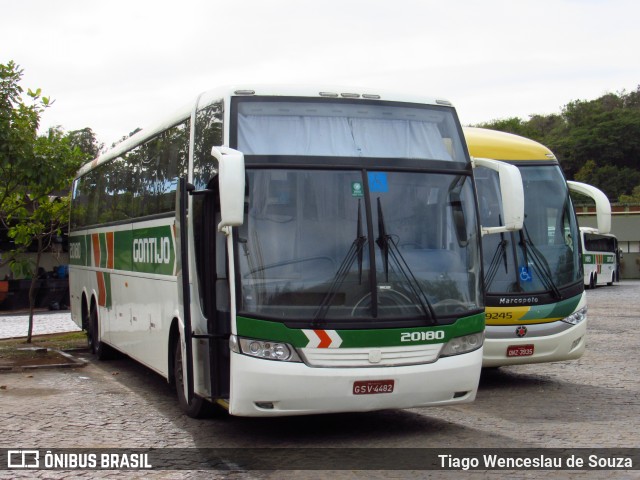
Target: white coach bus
600,257
290,251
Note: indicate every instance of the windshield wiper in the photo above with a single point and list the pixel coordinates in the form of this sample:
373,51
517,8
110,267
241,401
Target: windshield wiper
389,248
355,251
499,254
539,262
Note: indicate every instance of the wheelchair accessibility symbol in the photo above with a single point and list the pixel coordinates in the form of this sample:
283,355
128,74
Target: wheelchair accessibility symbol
378,182
525,274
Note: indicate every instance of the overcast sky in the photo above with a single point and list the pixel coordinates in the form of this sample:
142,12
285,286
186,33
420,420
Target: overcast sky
115,65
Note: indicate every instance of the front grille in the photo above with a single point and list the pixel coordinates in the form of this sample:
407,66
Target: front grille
367,357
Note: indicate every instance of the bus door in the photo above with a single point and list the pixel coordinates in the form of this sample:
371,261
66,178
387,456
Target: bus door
206,262
201,255
184,289
215,211
211,262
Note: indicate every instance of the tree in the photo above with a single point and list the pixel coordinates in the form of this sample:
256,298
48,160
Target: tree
19,124
633,198
35,173
597,141
613,181
86,141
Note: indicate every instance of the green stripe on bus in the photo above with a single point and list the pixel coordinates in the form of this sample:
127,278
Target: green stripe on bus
144,250
592,258
560,309
276,331
78,250
153,250
122,242
103,250
107,286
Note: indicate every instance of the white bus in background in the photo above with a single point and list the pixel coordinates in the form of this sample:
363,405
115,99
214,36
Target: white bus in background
290,251
600,257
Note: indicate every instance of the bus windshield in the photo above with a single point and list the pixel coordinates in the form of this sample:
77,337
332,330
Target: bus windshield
344,129
331,245
594,242
544,256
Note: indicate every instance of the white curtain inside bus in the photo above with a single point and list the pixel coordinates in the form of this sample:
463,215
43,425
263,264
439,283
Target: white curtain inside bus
340,136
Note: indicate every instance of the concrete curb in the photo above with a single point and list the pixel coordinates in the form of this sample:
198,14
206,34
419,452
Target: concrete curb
73,363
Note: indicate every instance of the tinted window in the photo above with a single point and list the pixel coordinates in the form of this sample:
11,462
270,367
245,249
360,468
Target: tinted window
139,183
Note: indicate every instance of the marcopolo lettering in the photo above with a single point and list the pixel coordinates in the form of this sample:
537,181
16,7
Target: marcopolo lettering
152,250
520,300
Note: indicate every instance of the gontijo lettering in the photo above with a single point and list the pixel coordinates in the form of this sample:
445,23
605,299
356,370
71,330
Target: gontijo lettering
152,250
75,250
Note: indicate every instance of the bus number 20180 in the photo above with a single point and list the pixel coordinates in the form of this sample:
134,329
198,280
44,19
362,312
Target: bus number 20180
421,336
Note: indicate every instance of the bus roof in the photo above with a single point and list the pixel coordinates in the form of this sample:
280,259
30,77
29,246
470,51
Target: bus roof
485,143
208,97
595,231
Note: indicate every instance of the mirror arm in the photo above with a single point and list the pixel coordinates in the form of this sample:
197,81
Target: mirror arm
603,207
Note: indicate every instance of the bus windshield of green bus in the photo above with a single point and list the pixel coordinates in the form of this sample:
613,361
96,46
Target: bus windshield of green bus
348,129
544,256
321,246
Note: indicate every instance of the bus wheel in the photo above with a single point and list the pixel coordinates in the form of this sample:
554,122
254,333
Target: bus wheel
92,329
99,349
195,409
592,282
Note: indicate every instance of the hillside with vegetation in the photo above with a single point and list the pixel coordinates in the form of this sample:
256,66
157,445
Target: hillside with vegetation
596,141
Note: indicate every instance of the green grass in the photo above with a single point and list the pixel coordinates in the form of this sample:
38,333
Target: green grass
11,348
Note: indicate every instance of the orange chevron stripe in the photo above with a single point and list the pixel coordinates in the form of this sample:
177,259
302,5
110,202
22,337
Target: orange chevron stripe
110,250
325,340
95,240
102,290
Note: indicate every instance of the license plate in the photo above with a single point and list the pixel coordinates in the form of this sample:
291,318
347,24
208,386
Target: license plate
519,350
370,387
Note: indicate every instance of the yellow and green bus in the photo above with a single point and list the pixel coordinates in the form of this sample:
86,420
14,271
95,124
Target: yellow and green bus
536,309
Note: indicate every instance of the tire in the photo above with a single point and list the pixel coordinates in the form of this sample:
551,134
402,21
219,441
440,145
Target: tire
98,348
197,407
92,328
592,282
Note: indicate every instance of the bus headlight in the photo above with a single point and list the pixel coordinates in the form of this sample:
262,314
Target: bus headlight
576,317
460,345
264,349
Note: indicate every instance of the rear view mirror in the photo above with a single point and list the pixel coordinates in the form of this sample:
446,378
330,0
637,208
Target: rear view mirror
231,175
512,192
